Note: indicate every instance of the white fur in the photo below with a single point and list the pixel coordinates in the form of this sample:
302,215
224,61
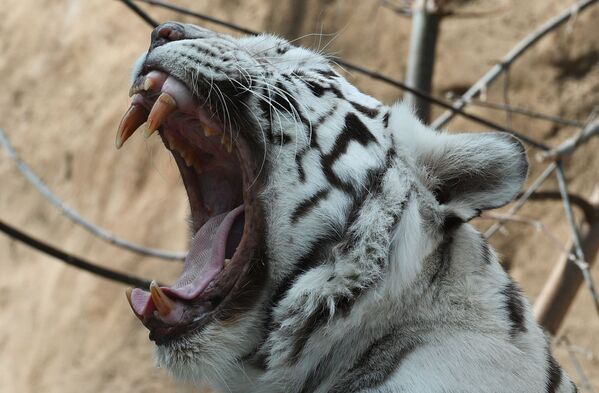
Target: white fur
382,260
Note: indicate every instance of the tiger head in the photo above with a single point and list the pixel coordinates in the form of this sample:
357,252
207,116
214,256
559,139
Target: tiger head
296,181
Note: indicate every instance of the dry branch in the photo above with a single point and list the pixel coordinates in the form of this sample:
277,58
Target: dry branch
522,199
558,293
76,217
514,54
566,148
421,56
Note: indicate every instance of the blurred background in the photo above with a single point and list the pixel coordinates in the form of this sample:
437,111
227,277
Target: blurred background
64,69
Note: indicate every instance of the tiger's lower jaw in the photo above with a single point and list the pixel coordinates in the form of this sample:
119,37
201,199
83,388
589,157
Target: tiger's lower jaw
213,356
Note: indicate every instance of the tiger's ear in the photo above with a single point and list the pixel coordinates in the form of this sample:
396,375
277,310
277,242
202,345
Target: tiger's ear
473,172
468,172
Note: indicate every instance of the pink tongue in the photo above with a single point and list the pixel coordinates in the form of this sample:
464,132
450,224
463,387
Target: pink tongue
203,262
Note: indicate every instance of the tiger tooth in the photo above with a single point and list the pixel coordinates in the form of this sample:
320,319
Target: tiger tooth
209,131
164,106
227,142
149,84
163,303
188,157
135,116
227,261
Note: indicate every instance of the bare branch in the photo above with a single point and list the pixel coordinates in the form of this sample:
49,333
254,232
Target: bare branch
72,260
566,148
584,380
76,217
538,225
527,112
520,201
566,277
514,54
576,240
587,208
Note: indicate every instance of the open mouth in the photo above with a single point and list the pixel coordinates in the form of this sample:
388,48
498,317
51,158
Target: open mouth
218,171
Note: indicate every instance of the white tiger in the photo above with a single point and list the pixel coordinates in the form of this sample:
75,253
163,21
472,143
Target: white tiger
331,250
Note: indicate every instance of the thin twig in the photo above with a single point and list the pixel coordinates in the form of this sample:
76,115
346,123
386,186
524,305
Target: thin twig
584,380
583,266
527,112
207,18
76,217
514,54
535,223
587,208
566,148
141,13
520,201
73,260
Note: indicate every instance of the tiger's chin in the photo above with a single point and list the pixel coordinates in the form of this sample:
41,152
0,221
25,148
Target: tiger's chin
200,320
210,356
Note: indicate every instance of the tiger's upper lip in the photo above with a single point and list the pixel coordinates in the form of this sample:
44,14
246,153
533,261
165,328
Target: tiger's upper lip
211,162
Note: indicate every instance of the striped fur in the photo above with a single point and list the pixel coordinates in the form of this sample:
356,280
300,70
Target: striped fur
374,280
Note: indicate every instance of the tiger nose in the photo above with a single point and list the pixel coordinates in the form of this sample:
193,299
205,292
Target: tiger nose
167,32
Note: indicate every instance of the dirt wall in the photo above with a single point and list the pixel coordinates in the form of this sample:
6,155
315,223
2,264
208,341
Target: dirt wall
64,68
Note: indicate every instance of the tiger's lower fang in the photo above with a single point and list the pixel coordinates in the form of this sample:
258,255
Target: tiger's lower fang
163,303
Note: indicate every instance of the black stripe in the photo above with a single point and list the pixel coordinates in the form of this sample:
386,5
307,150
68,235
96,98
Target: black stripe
386,119
375,365
485,250
313,142
279,139
317,89
554,373
353,130
307,329
308,204
374,185
370,112
328,73
283,48
451,222
442,259
285,100
515,308
343,304
301,173
319,252
334,180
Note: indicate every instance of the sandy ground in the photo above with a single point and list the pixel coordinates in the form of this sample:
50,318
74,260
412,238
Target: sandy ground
64,68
